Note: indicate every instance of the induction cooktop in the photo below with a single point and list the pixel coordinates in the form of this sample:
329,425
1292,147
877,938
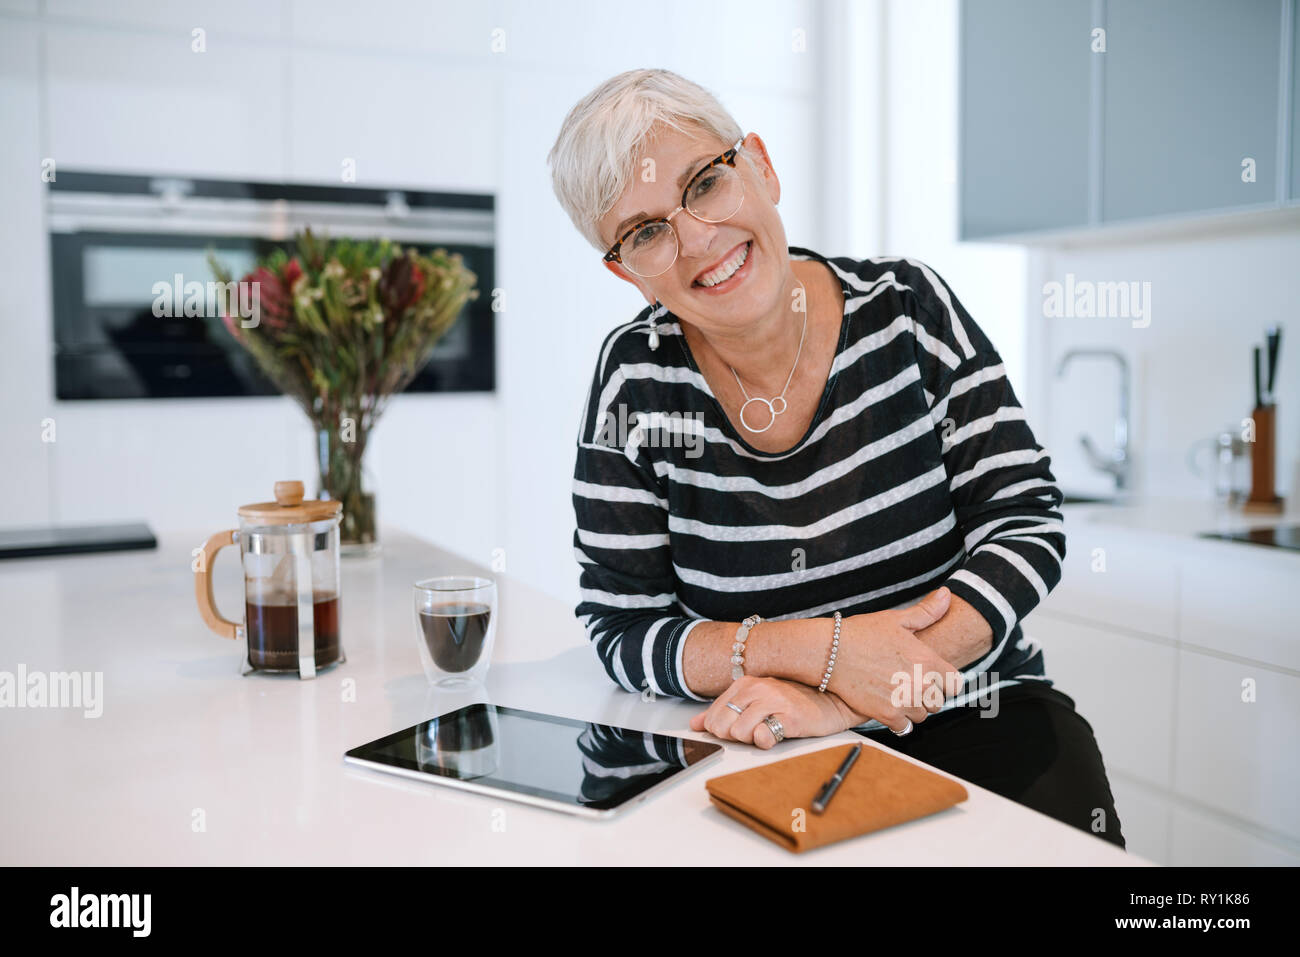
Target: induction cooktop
1283,536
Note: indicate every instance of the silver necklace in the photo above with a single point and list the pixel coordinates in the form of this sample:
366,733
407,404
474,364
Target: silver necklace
771,403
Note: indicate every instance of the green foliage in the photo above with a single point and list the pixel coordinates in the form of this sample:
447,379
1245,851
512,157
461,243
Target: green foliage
344,324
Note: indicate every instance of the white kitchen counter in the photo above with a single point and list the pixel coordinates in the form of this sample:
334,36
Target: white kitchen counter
183,737
1198,727
1181,521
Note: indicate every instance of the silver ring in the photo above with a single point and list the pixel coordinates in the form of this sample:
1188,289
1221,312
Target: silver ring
907,730
774,725
735,707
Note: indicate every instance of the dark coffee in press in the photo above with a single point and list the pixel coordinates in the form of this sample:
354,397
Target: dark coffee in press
272,626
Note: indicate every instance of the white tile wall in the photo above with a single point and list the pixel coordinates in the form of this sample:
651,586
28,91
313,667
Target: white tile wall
1211,298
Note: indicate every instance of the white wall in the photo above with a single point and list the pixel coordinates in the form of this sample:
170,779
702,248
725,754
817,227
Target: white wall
414,94
919,178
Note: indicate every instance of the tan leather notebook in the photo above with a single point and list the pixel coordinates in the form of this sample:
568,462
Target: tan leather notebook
881,790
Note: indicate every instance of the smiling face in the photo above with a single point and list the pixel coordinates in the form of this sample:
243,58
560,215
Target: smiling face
707,250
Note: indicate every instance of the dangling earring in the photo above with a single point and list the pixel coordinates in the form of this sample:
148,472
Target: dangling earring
654,327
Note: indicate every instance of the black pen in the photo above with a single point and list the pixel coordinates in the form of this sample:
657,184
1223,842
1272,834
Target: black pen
828,790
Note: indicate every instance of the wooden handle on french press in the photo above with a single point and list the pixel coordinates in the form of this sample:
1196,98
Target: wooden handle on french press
203,584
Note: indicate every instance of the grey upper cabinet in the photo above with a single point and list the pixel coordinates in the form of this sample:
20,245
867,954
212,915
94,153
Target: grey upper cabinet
1055,136
1295,104
1024,115
1191,91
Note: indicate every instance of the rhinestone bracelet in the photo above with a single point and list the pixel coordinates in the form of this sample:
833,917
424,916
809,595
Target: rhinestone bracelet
835,647
738,649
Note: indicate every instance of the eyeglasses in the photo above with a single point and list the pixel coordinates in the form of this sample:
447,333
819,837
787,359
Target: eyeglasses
713,195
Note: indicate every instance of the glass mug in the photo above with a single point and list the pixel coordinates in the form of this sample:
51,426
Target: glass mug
289,550
455,627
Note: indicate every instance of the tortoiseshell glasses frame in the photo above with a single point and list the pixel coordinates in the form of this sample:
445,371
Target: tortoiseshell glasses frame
615,253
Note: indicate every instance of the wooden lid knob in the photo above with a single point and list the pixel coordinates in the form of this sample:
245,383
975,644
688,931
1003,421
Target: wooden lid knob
288,493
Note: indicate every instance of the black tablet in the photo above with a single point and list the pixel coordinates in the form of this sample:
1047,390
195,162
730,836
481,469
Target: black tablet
74,540
579,767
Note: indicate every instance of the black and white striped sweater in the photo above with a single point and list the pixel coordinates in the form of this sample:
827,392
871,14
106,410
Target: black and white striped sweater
918,470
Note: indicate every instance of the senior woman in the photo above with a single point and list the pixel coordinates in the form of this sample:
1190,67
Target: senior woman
804,488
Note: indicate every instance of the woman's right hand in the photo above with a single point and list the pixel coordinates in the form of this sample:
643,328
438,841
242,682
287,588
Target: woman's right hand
875,672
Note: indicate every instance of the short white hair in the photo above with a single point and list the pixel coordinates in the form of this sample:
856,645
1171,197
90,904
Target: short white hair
600,141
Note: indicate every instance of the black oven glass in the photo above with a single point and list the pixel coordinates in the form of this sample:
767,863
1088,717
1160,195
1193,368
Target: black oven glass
108,344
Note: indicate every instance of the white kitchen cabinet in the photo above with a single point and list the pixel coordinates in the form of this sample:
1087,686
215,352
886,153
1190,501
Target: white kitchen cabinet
1143,816
1109,577
1234,755
1197,839
147,102
384,120
253,18
25,477
1154,651
1240,602
438,30
1122,685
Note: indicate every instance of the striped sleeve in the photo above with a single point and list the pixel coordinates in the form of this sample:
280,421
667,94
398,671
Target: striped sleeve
627,585
1004,495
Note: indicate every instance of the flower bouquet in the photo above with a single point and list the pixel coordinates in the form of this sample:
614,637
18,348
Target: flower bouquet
339,327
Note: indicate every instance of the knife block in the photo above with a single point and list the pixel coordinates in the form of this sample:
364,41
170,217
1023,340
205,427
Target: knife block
1263,463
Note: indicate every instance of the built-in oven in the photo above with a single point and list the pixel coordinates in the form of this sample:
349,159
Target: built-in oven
114,237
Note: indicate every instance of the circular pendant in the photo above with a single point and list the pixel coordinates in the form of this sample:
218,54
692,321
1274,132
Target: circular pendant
771,412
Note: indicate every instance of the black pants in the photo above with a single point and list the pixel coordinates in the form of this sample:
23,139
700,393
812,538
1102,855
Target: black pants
1038,751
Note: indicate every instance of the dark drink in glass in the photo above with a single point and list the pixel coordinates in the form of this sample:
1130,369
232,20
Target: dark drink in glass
455,620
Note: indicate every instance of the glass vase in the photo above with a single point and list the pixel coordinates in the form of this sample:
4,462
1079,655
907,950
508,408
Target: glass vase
344,477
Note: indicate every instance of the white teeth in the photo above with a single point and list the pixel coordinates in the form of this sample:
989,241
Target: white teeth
727,269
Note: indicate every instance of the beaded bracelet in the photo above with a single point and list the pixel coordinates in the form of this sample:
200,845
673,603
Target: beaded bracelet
835,647
738,649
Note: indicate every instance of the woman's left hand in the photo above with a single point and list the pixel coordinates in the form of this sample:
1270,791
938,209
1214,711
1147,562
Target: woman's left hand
804,712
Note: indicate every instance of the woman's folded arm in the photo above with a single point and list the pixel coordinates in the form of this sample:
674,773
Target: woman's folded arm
1004,495
628,603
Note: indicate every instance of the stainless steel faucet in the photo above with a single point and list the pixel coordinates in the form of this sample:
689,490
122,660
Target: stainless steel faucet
1118,463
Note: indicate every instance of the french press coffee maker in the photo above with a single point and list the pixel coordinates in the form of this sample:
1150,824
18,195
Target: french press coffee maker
289,550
